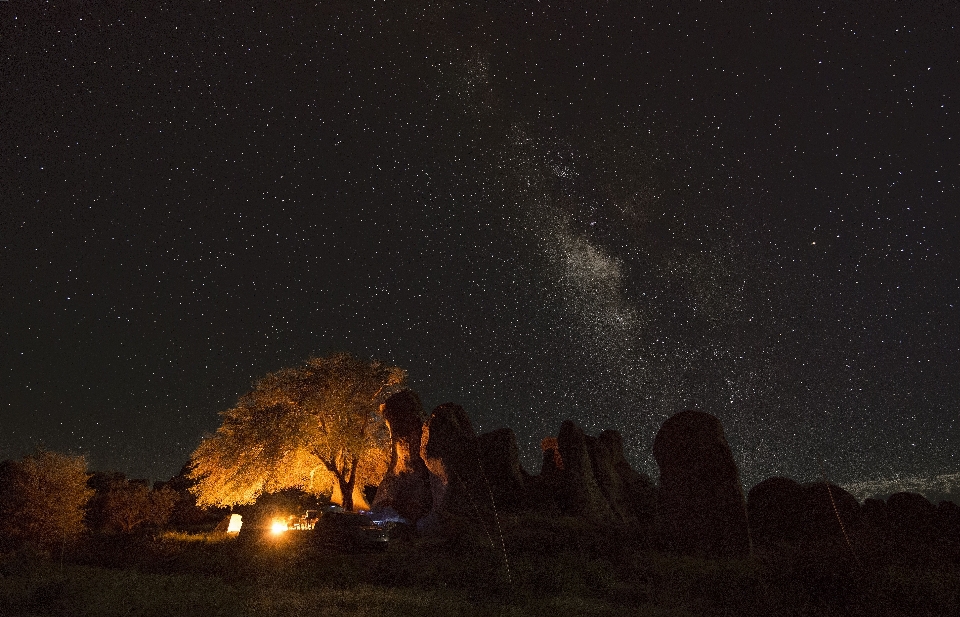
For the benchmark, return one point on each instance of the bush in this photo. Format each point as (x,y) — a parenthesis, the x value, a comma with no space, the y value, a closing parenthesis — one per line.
(124,506)
(42,499)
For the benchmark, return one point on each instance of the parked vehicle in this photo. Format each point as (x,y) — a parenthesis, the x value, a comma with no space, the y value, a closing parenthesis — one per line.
(349,532)
(307,520)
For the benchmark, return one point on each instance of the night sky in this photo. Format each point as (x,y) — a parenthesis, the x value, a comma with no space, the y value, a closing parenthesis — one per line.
(540,212)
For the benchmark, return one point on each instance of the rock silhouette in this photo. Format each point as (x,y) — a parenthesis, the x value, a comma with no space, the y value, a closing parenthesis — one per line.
(828,513)
(441,471)
(451,452)
(406,486)
(701,508)
(468,475)
(579,492)
(589,476)
(500,457)
(634,488)
(774,509)
(628,493)
(782,510)
(911,518)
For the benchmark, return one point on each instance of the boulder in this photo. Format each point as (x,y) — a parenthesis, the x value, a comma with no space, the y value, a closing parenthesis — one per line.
(911,517)
(501,465)
(829,513)
(773,511)
(811,514)
(701,508)
(579,493)
(638,491)
(451,452)
(405,488)
(542,489)
(947,523)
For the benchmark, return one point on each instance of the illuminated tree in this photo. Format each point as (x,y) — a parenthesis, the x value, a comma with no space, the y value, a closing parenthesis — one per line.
(317,426)
(42,498)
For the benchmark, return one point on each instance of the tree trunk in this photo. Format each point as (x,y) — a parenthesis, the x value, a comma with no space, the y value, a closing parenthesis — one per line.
(346,491)
(346,486)
(345,480)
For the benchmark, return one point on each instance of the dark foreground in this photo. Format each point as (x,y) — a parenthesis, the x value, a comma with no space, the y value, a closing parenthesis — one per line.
(555,568)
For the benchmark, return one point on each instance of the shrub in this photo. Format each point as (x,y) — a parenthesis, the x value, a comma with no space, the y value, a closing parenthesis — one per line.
(42,498)
(123,506)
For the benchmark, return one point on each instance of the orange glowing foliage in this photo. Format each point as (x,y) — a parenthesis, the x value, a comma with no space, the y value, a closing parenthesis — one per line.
(317,427)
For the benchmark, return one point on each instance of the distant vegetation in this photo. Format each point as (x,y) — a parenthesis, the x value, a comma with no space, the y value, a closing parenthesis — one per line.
(585,536)
(43,499)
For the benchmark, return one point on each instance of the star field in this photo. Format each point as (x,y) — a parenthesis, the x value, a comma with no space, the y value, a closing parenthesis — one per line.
(541,212)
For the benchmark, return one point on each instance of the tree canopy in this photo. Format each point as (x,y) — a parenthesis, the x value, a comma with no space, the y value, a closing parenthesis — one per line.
(317,426)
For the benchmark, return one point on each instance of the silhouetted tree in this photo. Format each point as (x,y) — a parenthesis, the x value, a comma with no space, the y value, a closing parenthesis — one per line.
(186,514)
(122,506)
(317,426)
(42,498)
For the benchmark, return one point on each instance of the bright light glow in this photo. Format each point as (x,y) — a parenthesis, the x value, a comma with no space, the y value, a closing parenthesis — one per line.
(278,526)
(234,525)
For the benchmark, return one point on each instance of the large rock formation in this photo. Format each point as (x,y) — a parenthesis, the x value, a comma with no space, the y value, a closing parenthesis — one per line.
(579,492)
(629,494)
(701,508)
(506,479)
(406,486)
(590,476)
(451,452)
(828,512)
(908,526)
(811,514)
(442,466)
(637,490)
(911,518)
(774,511)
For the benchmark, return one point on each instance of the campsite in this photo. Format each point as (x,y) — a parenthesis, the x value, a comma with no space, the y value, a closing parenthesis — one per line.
(587,535)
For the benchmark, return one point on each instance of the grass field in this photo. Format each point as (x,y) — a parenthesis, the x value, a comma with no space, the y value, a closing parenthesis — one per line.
(558,569)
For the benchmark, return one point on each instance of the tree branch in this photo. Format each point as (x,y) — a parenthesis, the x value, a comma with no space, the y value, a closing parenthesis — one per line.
(330,465)
(353,468)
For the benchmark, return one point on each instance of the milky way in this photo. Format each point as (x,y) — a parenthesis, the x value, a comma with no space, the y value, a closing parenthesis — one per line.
(607,215)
